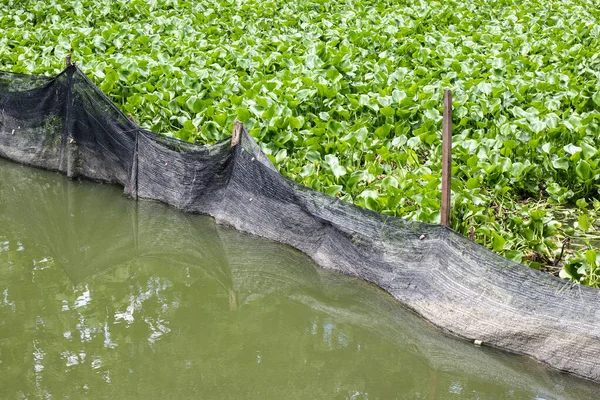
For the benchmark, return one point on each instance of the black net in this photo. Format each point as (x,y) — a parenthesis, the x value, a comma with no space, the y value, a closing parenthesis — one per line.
(101,140)
(32,119)
(67,124)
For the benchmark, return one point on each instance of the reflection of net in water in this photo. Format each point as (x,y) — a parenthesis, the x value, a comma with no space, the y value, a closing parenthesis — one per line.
(67,124)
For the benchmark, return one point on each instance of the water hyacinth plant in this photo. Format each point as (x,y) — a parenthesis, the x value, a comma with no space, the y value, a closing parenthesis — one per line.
(345,96)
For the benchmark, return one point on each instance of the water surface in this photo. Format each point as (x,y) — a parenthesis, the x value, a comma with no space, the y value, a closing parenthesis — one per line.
(102,297)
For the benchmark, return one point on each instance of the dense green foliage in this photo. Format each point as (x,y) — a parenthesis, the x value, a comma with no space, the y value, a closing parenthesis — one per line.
(346,96)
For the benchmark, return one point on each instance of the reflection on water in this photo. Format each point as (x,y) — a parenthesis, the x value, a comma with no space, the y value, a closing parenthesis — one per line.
(104,297)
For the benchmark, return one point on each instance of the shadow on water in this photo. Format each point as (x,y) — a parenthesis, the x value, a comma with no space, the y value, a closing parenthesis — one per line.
(159,302)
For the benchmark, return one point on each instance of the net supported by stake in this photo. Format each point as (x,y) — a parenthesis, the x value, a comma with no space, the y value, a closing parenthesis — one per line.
(66,123)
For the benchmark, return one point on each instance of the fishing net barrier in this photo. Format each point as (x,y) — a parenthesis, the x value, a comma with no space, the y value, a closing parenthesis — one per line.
(65,123)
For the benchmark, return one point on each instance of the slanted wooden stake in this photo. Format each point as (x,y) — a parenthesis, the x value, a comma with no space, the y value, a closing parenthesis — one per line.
(237,133)
(68,60)
(446,157)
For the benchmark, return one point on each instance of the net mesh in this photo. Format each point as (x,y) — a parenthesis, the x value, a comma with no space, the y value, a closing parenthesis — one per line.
(67,124)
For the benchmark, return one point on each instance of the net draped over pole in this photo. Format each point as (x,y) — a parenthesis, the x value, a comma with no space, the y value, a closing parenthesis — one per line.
(65,123)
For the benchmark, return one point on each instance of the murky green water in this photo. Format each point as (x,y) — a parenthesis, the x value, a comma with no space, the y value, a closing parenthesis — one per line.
(103,297)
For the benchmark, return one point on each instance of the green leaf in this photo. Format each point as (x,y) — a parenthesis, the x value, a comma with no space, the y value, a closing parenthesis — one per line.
(596,98)
(514,255)
(338,170)
(371,194)
(497,242)
(307,170)
(485,87)
(334,190)
(399,141)
(588,150)
(537,215)
(295,123)
(582,203)
(582,222)
(572,149)
(517,169)
(470,145)
(135,100)
(389,182)
(304,94)
(361,134)
(243,113)
(569,271)
(413,142)
(560,163)
(535,265)
(398,95)
(281,156)
(583,170)
(194,104)
(473,161)
(546,147)
(433,114)
(473,183)
(387,111)
(591,257)
(333,163)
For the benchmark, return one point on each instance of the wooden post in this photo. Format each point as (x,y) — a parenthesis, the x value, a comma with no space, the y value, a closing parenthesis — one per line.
(237,132)
(68,60)
(446,157)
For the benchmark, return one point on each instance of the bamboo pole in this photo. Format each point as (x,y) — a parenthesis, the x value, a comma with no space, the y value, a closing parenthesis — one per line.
(237,132)
(446,158)
(68,60)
